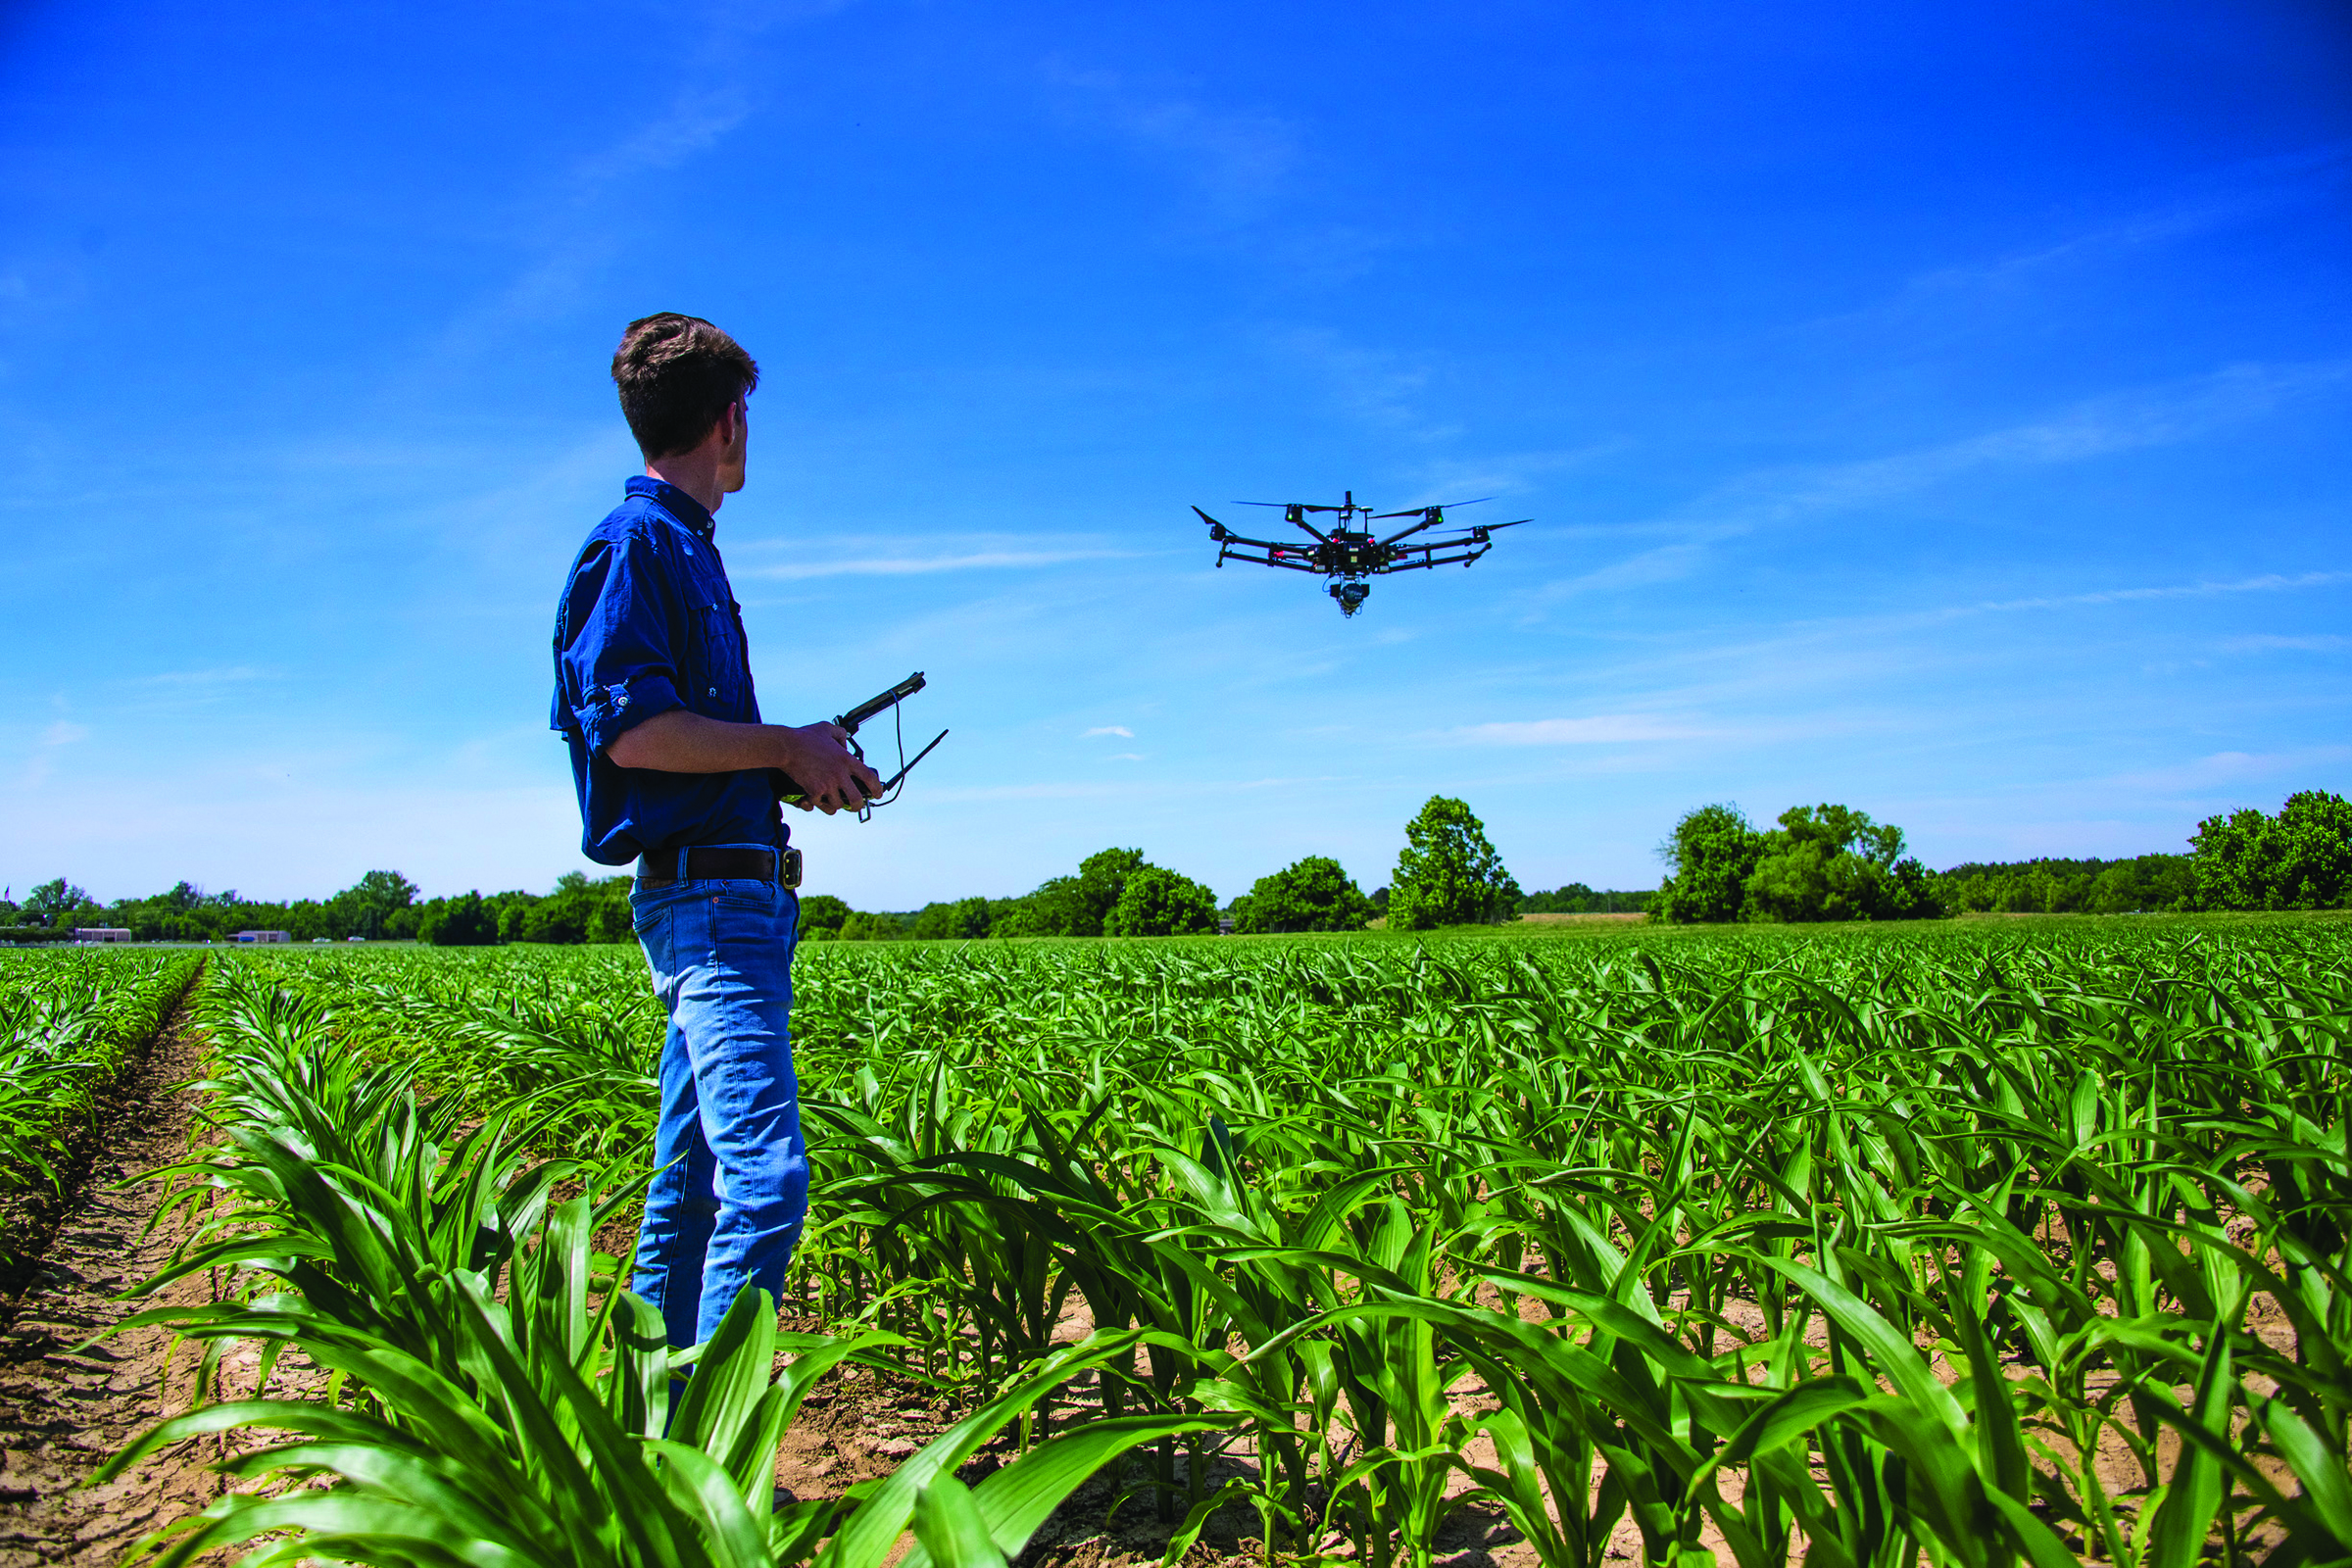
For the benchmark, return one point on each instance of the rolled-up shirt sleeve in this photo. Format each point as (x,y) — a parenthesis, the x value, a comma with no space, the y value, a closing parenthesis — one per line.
(616,667)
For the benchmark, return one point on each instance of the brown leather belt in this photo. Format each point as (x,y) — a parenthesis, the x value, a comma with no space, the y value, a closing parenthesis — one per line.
(661,870)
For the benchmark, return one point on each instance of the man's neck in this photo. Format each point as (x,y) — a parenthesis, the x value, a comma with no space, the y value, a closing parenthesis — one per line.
(696,472)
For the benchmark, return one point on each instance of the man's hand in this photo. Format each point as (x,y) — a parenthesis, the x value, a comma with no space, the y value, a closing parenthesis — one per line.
(818,756)
(815,754)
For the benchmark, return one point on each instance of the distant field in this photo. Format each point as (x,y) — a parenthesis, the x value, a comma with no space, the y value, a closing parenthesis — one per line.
(1563,919)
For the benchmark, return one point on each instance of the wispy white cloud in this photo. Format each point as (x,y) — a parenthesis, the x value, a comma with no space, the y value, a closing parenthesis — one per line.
(2322,643)
(2123,421)
(568,223)
(1663,563)
(1497,473)
(2269,582)
(1602,729)
(65,732)
(911,566)
(1379,387)
(2251,191)
(228,675)
(1124,757)
(2219,770)
(1119,730)
(1239,159)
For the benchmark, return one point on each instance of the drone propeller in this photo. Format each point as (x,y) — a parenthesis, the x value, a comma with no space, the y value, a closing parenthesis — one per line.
(1216,530)
(1475,534)
(1420,512)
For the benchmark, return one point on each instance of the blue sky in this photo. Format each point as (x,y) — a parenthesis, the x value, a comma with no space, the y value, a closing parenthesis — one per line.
(1938,409)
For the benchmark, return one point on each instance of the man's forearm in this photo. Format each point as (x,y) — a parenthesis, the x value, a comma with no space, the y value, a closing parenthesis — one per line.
(683,742)
(680,741)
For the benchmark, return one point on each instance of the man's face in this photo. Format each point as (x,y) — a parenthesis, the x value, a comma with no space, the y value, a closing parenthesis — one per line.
(734,443)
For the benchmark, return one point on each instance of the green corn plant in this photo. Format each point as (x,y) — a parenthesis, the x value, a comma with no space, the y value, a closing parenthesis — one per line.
(333,1181)
(2066,1153)
(66,1022)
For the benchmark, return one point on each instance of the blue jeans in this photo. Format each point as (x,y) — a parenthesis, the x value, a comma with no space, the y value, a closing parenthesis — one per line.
(730,1189)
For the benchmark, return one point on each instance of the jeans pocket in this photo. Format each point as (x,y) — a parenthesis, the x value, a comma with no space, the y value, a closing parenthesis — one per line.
(650,911)
(756,898)
(751,925)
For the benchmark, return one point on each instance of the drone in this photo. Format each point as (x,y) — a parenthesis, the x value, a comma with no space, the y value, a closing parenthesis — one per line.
(1348,552)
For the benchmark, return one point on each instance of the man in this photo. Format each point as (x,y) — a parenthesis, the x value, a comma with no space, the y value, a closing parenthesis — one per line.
(676,773)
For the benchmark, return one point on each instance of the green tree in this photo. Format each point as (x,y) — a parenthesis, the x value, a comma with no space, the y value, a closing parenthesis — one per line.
(1101,883)
(1073,905)
(963,919)
(1578,899)
(562,917)
(2299,859)
(1314,894)
(1832,862)
(1155,901)
(821,912)
(463,921)
(1709,858)
(1449,874)
(367,906)
(56,903)
(2144,883)
(863,927)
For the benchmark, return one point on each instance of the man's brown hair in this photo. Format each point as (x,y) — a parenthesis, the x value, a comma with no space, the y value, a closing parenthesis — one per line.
(677,374)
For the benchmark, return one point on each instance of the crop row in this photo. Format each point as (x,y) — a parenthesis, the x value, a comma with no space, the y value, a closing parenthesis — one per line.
(66,1020)
(1854,1249)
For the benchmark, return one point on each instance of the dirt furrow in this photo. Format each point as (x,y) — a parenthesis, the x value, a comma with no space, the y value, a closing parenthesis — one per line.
(64,1410)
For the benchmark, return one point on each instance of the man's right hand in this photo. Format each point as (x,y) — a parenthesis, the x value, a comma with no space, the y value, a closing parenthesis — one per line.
(818,758)
(817,755)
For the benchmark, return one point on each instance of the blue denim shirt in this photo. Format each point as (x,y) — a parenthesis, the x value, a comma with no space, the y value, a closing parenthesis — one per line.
(646,624)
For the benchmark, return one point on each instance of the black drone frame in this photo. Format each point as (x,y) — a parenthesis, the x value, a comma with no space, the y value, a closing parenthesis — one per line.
(1348,555)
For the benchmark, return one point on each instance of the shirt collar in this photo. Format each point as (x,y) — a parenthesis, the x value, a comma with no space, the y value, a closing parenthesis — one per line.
(676,502)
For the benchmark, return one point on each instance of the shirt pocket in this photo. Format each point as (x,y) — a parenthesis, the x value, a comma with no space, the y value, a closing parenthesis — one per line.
(719,656)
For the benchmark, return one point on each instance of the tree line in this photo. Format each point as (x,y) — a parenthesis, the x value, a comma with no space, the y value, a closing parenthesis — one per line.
(1447,875)
(1817,863)
(380,906)
(1832,862)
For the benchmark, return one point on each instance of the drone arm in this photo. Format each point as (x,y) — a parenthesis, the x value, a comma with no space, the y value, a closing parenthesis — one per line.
(1275,554)
(1430,556)
(1425,522)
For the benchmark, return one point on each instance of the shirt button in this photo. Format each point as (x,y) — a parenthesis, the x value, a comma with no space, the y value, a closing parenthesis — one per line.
(714,691)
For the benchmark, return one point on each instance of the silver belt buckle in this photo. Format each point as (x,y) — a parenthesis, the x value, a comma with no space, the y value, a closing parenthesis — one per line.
(789,871)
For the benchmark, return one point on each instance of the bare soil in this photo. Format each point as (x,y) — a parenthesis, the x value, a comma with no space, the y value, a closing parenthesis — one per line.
(64,1410)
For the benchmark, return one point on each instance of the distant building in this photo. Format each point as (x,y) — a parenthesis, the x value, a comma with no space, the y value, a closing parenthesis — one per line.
(100,933)
(264,936)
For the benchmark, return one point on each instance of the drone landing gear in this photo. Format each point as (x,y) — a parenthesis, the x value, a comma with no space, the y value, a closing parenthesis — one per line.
(1350,596)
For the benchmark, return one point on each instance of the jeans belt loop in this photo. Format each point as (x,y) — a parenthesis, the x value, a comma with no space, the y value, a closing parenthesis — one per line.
(682,866)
